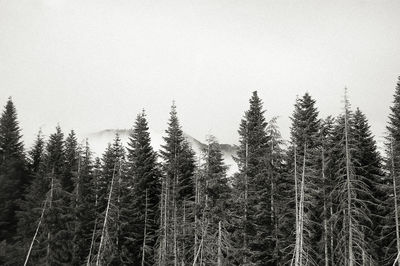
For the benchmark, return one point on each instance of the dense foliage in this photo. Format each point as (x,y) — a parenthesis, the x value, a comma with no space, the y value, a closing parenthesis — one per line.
(326,197)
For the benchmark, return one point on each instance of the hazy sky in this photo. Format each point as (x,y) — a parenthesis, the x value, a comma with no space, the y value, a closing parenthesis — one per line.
(94,64)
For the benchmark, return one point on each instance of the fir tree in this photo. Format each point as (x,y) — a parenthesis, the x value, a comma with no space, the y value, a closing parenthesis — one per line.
(58,216)
(391,227)
(84,196)
(254,187)
(212,202)
(72,162)
(368,166)
(304,136)
(350,194)
(178,194)
(13,173)
(110,184)
(32,205)
(140,204)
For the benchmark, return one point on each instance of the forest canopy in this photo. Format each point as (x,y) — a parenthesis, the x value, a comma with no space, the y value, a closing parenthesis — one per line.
(325,196)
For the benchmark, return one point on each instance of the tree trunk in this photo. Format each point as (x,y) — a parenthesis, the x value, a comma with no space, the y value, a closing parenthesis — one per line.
(144,231)
(350,244)
(219,260)
(396,213)
(36,232)
(105,218)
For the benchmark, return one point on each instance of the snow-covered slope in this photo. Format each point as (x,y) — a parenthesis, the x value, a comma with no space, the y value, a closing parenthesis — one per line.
(98,142)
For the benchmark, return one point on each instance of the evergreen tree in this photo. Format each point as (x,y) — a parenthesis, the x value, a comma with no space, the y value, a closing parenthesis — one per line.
(140,202)
(13,173)
(32,205)
(368,166)
(110,184)
(254,187)
(391,228)
(350,194)
(213,242)
(72,162)
(276,173)
(305,140)
(178,195)
(58,216)
(85,206)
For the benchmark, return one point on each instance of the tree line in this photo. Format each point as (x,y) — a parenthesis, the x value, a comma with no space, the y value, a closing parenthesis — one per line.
(326,196)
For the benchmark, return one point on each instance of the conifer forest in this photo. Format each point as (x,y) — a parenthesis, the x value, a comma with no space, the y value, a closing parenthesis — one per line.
(326,196)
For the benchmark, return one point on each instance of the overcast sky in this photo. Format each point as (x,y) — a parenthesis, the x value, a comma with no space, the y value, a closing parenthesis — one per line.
(94,64)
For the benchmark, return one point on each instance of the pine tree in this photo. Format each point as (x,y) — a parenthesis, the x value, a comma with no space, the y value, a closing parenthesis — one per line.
(72,162)
(84,202)
(32,205)
(305,141)
(368,166)
(141,202)
(276,172)
(13,173)
(325,198)
(58,216)
(178,195)
(110,183)
(254,187)
(350,194)
(212,204)
(391,227)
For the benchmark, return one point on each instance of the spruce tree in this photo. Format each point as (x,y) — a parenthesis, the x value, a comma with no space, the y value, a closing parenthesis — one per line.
(72,162)
(304,137)
(276,173)
(110,184)
(58,216)
(13,174)
(32,205)
(84,202)
(254,187)
(368,166)
(213,241)
(350,195)
(141,202)
(178,195)
(391,227)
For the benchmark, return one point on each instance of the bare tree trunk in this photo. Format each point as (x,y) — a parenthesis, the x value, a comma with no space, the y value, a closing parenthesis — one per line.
(92,243)
(350,244)
(325,211)
(166,218)
(105,218)
(301,218)
(184,234)
(196,202)
(219,260)
(50,205)
(297,244)
(160,248)
(331,234)
(145,232)
(246,191)
(396,213)
(94,232)
(36,232)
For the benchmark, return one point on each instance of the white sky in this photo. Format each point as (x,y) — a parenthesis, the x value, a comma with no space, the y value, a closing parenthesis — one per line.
(94,64)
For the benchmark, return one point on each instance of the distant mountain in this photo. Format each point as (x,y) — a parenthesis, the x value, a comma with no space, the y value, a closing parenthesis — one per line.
(98,142)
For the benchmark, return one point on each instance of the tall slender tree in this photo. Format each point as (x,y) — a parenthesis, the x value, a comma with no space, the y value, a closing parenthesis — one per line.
(305,141)
(254,187)
(391,227)
(178,194)
(141,202)
(13,173)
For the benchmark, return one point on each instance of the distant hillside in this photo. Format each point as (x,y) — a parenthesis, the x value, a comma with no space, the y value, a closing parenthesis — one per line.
(99,140)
